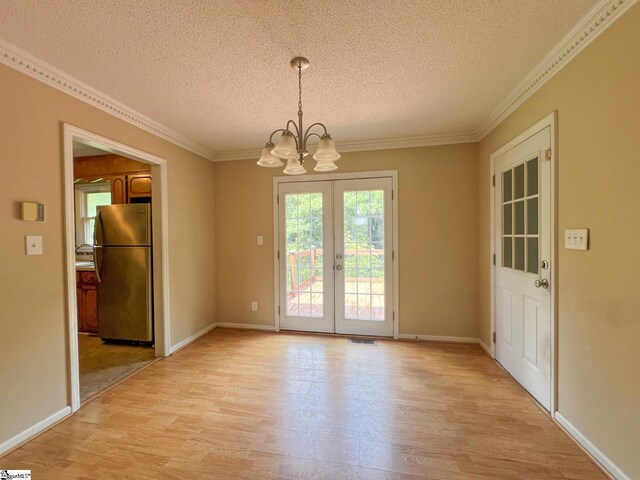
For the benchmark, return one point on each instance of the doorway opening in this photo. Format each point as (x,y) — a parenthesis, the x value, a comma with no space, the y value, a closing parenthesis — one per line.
(116,261)
(114,288)
(336,254)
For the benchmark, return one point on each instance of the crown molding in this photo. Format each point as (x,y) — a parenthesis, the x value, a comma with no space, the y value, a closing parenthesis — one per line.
(407,142)
(22,61)
(599,18)
(365,145)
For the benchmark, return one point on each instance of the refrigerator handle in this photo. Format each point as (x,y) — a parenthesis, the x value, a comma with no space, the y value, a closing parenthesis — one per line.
(95,262)
(97,235)
(97,229)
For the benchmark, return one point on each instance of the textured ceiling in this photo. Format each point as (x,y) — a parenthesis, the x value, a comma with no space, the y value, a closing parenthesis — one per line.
(218,71)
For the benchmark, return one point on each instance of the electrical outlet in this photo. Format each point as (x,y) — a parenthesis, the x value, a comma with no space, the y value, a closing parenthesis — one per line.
(576,238)
(260,240)
(254,306)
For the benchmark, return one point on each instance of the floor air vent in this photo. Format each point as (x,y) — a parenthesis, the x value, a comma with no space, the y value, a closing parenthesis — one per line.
(363,341)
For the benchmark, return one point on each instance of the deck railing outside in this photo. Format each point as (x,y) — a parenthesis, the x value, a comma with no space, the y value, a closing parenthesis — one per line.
(303,271)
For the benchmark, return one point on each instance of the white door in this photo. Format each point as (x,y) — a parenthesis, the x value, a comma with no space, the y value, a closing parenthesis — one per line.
(523,255)
(362,212)
(335,256)
(306,256)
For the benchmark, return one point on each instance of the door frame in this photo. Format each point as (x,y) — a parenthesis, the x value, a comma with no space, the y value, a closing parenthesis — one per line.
(393,174)
(548,121)
(160,224)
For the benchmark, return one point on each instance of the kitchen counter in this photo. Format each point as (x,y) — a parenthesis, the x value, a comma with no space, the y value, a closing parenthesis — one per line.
(85,267)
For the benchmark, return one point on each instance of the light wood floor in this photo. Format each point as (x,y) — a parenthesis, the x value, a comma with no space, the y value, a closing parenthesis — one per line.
(252,405)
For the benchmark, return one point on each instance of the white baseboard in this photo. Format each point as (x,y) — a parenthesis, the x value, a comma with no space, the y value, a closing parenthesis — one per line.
(438,338)
(595,452)
(191,339)
(247,326)
(485,347)
(34,430)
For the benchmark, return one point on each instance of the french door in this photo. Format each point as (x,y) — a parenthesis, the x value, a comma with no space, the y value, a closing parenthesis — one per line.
(335,256)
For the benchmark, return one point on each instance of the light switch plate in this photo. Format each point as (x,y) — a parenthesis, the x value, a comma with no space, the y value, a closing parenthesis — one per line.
(576,238)
(33,244)
(260,240)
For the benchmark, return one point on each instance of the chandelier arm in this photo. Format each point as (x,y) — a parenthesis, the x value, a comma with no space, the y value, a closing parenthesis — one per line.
(274,132)
(309,135)
(306,133)
(297,134)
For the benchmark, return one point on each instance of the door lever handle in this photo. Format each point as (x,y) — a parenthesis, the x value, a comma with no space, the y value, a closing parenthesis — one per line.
(544,283)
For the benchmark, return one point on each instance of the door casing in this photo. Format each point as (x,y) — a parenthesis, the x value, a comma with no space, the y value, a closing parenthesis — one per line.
(393,174)
(160,222)
(548,121)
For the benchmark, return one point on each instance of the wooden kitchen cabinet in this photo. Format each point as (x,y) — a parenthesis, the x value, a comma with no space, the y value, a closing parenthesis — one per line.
(139,186)
(130,180)
(118,189)
(130,188)
(87,292)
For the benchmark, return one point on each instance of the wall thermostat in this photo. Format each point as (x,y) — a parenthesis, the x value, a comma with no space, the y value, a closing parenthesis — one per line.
(32,212)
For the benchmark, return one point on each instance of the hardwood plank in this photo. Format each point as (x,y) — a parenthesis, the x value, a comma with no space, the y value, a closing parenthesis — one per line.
(257,405)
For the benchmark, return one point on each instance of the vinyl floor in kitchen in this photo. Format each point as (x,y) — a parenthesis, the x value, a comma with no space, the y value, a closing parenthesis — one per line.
(102,364)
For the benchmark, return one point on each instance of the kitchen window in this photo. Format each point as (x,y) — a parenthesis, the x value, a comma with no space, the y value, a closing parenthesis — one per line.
(88,197)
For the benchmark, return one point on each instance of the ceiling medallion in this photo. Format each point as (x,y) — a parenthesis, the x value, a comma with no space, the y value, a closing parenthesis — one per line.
(292,143)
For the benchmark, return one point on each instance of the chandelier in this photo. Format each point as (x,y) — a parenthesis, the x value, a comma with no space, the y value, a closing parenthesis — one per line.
(292,143)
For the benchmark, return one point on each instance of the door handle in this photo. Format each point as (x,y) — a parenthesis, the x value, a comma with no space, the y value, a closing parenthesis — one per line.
(544,283)
(338,267)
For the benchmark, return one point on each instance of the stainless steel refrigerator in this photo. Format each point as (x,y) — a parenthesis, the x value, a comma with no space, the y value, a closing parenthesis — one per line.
(122,255)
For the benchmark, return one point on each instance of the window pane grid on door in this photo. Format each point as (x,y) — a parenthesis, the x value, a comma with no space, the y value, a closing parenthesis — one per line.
(364,255)
(520,231)
(304,254)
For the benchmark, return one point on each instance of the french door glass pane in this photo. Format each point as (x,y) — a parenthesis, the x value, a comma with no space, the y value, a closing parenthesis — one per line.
(364,255)
(304,257)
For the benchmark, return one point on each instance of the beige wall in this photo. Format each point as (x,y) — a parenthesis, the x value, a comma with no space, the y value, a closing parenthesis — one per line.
(597,97)
(438,225)
(33,318)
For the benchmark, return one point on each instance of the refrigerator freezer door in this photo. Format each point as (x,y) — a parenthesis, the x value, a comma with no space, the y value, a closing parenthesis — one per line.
(125,224)
(124,293)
